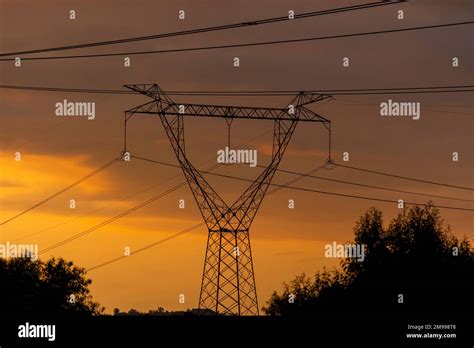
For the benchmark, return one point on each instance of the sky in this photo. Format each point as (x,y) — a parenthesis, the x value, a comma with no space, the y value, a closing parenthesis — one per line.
(56,151)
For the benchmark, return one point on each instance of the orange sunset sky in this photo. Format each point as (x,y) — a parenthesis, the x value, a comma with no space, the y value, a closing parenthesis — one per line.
(285,242)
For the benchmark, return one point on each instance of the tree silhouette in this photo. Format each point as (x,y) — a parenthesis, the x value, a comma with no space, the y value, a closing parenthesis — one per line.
(54,286)
(416,264)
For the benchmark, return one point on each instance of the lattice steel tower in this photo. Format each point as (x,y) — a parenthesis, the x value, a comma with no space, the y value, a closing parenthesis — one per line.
(228,280)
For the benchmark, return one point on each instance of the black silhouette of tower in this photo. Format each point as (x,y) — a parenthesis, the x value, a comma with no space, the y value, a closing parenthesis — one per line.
(228,280)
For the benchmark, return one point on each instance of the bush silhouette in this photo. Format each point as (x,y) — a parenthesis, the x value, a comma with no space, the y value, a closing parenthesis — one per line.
(54,286)
(416,256)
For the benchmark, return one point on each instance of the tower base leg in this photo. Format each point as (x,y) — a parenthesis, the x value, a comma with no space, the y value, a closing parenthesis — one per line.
(228,281)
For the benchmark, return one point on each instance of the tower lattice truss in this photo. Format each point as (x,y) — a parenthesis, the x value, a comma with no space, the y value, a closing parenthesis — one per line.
(228,280)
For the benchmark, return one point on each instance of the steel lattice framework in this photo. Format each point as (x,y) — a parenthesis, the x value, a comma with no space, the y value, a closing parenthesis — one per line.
(228,281)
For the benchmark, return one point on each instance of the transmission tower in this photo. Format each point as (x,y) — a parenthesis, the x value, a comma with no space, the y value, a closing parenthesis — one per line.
(228,280)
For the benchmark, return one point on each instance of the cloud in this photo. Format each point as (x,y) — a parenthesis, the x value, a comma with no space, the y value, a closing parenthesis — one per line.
(38,176)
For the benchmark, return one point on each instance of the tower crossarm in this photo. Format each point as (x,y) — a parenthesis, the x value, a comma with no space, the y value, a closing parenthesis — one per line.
(295,110)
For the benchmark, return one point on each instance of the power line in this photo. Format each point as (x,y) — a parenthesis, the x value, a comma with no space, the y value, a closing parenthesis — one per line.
(203,30)
(356,92)
(333,180)
(116,217)
(278,187)
(69,90)
(127,197)
(248,44)
(149,201)
(98,170)
(298,178)
(261,93)
(291,92)
(305,189)
(185,230)
(430,109)
(403,177)
(371,186)
(94,210)
(125,213)
(146,247)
